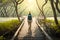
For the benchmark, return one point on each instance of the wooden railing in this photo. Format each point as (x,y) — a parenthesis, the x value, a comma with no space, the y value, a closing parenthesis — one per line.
(18,30)
(45,33)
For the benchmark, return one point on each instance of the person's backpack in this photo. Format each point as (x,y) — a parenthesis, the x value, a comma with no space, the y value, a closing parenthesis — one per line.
(30,17)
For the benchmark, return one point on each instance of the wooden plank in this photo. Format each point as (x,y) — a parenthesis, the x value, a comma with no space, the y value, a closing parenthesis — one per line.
(16,33)
(44,31)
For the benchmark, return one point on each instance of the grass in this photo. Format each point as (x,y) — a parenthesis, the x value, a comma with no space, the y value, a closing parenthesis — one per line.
(8,26)
(53,25)
(2,38)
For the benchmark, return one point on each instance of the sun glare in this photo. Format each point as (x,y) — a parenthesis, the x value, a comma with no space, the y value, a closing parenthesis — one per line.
(30,1)
(30,4)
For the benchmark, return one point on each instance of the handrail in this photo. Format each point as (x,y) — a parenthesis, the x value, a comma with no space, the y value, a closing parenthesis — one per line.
(19,29)
(49,38)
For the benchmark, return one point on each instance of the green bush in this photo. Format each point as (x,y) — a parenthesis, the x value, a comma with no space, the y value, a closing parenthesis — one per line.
(8,25)
(53,25)
(2,38)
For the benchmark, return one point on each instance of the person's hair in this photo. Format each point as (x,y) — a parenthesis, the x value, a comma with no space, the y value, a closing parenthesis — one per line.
(29,12)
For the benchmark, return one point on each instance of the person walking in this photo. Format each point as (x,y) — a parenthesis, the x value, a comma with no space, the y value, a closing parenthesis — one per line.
(29,18)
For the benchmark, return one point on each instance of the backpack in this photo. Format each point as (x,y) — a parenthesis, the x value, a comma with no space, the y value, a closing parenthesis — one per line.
(30,17)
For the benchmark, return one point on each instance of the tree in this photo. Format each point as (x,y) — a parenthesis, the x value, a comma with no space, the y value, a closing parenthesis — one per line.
(2,14)
(54,12)
(4,5)
(41,9)
(56,3)
(42,12)
(5,11)
(16,5)
(16,2)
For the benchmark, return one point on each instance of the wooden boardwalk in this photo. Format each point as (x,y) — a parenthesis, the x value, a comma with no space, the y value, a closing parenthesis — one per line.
(30,32)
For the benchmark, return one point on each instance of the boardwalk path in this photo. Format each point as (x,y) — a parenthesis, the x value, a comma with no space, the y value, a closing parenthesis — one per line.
(30,33)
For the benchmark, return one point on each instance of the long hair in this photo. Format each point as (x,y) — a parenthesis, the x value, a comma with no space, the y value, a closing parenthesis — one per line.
(29,13)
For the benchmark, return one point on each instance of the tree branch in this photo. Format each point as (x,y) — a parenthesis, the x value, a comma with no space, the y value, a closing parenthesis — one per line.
(57,1)
(20,2)
(41,10)
(54,12)
(38,5)
(44,4)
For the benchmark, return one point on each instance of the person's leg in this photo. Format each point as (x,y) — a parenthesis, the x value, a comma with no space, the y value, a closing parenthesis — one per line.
(29,29)
(29,22)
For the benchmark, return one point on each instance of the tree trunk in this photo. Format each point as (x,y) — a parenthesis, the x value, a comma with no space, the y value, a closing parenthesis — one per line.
(41,10)
(5,11)
(17,11)
(2,14)
(15,5)
(57,1)
(54,12)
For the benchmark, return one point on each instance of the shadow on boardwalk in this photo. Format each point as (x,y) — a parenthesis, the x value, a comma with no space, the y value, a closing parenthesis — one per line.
(29,35)
(30,31)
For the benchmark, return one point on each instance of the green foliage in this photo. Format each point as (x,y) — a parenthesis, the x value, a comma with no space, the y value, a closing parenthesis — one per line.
(2,38)
(8,25)
(4,1)
(49,21)
(52,25)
